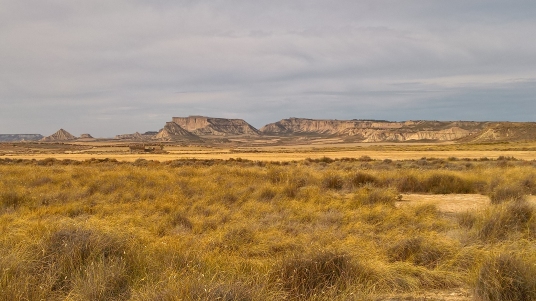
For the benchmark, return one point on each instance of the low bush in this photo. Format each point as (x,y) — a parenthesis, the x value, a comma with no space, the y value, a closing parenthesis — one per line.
(375,196)
(506,278)
(446,183)
(305,275)
(419,251)
(362,178)
(12,199)
(332,181)
(506,219)
(506,193)
(408,183)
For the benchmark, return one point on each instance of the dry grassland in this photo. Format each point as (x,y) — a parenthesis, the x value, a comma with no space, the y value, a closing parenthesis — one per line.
(427,229)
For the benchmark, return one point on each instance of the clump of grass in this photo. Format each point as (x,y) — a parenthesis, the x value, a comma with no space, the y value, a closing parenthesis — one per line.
(12,199)
(266,194)
(446,183)
(362,178)
(506,219)
(506,278)
(332,181)
(408,183)
(305,275)
(375,196)
(86,262)
(420,251)
(467,219)
(237,237)
(505,193)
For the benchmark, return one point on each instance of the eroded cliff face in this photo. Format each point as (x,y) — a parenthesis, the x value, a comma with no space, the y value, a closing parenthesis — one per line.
(376,131)
(505,131)
(61,135)
(207,126)
(173,132)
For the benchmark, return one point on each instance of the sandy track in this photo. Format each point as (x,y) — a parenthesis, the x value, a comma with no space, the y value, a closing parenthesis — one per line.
(451,203)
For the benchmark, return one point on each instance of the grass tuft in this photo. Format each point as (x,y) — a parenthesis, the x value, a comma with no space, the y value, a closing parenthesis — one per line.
(305,275)
(506,278)
(507,193)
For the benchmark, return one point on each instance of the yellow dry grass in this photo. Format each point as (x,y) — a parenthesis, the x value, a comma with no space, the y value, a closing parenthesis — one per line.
(244,230)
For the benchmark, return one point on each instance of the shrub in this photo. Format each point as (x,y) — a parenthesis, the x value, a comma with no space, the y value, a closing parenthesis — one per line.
(506,193)
(306,275)
(506,278)
(445,184)
(332,181)
(178,219)
(12,199)
(418,251)
(408,183)
(76,258)
(267,194)
(361,178)
(466,219)
(505,220)
(238,237)
(374,196)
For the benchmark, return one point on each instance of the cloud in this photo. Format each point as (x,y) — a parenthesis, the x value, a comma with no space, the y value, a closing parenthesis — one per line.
(124,66)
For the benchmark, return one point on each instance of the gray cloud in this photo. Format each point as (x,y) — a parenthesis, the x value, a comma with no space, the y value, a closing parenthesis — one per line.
(110,67)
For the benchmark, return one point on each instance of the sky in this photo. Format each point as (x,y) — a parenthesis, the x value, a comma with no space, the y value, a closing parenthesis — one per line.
(114,67)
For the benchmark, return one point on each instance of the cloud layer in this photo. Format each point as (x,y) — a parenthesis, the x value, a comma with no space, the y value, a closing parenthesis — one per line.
(111,67)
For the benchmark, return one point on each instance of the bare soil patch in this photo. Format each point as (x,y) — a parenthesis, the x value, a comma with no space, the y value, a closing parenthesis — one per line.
(451,203)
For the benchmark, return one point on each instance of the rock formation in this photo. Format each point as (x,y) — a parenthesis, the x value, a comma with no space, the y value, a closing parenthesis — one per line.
(173,132)
(136,136)
(20,137)
(505,131)
(207,126)
(375,130)
(61,135)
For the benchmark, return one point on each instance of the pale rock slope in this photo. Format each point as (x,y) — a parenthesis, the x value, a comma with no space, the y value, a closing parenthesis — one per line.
(174,132)
(61,135)
(208,126)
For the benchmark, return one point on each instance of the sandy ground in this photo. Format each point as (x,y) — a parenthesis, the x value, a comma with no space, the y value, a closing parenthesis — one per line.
(278,156)
(451,203)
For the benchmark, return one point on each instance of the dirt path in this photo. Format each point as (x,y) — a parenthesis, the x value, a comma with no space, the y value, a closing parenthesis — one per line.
(451,203)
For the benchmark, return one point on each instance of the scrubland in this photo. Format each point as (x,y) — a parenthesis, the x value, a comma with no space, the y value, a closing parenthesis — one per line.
(318,229)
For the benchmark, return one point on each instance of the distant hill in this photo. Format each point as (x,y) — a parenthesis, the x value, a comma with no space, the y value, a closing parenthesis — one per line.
(208,126)
(413,130)
(61,135)
(20,137)
(504,131)
(173,132)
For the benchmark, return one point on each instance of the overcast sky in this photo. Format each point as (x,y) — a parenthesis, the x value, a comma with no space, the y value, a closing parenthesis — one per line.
(112,67)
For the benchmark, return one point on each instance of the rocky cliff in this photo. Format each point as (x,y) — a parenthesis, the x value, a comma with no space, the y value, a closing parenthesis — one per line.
(376,130)
(207,126)
(173,132)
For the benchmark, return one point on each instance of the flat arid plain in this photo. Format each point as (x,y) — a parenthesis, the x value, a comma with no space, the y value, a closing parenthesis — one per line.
(238,221)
